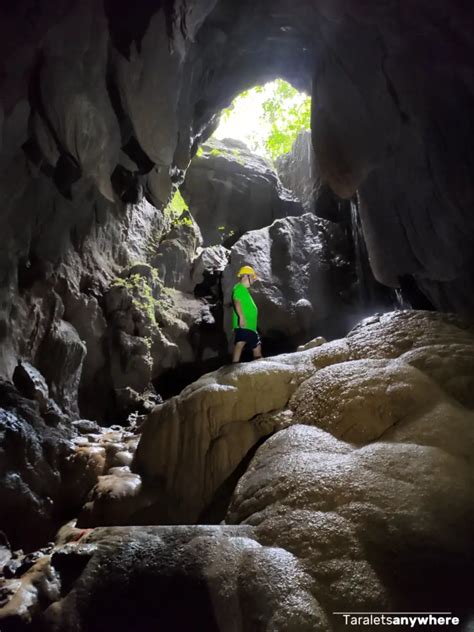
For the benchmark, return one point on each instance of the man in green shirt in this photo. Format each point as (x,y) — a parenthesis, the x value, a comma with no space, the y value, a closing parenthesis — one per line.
(244,315)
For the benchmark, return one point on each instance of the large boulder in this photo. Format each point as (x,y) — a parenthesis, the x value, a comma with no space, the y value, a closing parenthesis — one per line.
(61,357)
(212,578)
(384,506)
(357,388)
(305,282)
(231,190)
(208,430)
(208,267)
(176,252)
(383,527)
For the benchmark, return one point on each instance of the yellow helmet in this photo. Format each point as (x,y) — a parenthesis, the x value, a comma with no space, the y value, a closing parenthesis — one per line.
(247,270)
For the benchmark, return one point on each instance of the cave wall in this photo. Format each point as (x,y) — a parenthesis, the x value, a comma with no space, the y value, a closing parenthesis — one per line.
(392,117)
(103,104)
(78,155)
(297,170)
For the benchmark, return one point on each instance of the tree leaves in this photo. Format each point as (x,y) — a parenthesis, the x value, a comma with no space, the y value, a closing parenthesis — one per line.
(288,112)
(284,112)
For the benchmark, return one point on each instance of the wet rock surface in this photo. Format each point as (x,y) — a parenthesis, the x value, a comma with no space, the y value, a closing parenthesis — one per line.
(155,570)
(117,492)
(357,388)
(49,463)
(359,496)
(34,456)
(212,425)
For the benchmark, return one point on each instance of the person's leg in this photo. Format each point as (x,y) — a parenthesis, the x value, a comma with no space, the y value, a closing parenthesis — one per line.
(256,346)
(238,348)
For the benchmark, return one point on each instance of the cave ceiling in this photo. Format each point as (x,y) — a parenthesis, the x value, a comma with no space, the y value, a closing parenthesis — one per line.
(105,102)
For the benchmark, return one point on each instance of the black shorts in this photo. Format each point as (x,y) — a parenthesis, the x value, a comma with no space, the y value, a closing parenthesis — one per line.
(248,336)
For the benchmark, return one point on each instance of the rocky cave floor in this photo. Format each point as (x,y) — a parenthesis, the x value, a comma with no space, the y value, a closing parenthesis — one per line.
(268,495)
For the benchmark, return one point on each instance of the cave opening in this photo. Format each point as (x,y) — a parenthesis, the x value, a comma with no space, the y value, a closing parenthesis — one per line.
(258,128)
(267,128)
(267,118)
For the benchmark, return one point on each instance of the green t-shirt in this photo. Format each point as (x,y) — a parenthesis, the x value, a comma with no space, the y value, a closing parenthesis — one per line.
(249,309)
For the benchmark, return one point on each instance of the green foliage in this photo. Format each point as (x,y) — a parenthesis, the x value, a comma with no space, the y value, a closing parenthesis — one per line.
(237,156)
(284,113)
(225,233)
(200,152)
(287,117)
(153,242)
(245,94)
(144,300)
(142,294)
(183,220)
(176,206)
(177,211)
(215,151)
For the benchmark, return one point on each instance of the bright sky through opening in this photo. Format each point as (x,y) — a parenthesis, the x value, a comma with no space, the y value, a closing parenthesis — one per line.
(245,120)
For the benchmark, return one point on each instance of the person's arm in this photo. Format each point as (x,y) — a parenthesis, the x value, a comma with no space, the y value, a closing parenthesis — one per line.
(240,313)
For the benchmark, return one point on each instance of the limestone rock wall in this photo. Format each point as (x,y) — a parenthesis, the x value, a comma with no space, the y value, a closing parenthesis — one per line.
(298,170)
(392,141)
(73,165)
